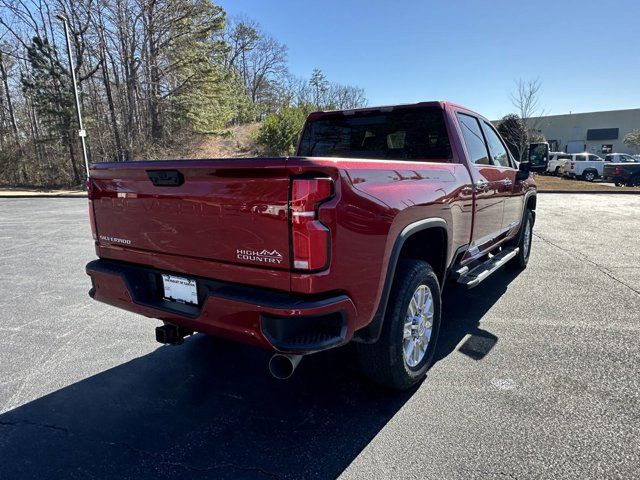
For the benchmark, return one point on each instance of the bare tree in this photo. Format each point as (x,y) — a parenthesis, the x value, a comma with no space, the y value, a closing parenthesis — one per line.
(5,85)
(526,101)
(258,58)
(346,96)
(150,72)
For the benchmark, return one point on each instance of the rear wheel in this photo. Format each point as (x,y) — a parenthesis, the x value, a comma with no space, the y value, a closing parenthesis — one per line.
(589,176)
(524,242)
(406,347)
(556,172)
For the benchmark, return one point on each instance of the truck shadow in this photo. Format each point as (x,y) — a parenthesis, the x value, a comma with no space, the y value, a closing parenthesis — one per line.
(462,311)
(209,409)
(205,409)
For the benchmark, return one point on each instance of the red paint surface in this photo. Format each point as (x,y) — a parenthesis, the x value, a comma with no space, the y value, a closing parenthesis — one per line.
(226,205)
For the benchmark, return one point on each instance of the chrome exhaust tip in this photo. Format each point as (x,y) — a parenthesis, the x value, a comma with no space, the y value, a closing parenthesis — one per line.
(282,366)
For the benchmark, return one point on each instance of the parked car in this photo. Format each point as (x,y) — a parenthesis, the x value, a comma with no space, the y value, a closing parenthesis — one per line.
(383,205)
(620,158)
(623,173)
(557,162)
(585,166)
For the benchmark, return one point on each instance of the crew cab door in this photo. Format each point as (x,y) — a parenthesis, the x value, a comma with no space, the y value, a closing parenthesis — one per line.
(511,190)
(488,186)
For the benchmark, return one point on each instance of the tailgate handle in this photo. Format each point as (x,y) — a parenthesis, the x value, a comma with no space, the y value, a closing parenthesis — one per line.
(165,178)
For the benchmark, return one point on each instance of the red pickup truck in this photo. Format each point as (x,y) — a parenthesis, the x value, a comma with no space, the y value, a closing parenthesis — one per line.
(353,239)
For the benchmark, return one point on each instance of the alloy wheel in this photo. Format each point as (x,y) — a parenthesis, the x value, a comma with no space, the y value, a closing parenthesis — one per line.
(418,326)
(526,244)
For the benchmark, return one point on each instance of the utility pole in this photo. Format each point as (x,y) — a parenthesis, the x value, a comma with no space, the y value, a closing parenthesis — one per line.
(82,133)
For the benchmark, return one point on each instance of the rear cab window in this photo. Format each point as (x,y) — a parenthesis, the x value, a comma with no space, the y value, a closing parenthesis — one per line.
(416,133)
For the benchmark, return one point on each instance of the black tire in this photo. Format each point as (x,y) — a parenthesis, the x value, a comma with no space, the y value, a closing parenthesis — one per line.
(557,171)
(589,175)
(384,362)
(618,184)
(521,260)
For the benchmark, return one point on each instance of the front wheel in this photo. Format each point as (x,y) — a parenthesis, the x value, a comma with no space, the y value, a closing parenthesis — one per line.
(406,347)
(524,242)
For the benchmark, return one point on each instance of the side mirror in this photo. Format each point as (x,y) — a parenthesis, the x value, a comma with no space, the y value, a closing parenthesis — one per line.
(538,156)
(523,171)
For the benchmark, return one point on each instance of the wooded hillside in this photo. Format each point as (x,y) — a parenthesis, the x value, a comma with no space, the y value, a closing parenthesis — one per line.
(155,76)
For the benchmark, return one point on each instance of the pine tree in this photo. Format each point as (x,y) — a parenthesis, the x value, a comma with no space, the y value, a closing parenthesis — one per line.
(48,85)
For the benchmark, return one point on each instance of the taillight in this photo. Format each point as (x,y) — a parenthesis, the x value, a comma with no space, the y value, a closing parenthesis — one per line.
(92,219)
(573,165)
(310,236)
(617,170)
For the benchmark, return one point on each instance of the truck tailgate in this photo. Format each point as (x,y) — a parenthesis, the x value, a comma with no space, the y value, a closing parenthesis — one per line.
(609,169)
(223,210)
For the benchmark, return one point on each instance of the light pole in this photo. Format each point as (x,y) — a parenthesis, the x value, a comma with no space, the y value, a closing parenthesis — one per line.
(82,133)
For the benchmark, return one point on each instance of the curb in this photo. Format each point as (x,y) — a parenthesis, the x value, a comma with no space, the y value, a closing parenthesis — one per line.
(44,195)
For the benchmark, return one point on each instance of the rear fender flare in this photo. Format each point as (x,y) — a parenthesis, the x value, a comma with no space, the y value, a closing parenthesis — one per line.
(371,332)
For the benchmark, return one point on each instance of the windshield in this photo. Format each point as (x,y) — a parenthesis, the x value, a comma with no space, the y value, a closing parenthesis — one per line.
(400,134)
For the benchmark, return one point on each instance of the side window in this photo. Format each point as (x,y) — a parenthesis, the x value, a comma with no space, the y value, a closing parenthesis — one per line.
(594,158)
(497,149)
(581,158)
(473,139)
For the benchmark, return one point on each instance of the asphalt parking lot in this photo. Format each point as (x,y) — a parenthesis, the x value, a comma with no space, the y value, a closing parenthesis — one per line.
(538,373)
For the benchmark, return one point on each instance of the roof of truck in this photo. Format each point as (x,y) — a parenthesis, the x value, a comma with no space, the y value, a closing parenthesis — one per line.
(434,103)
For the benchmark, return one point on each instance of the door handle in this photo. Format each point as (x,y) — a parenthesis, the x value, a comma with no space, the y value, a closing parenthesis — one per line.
(165,178)
(482,185)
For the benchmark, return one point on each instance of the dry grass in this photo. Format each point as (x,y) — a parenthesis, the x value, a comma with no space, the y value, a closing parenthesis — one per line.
(239,142)
(546,183)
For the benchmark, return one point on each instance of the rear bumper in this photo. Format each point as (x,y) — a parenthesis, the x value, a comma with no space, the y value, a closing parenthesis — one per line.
(269,319)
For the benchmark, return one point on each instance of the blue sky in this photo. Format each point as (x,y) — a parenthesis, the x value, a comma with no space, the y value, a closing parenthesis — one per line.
(586,54)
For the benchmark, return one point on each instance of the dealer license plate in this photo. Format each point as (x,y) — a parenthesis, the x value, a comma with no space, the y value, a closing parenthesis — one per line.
(179,289)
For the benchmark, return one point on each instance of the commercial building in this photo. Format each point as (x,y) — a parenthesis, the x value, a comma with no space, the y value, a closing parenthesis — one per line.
(595,132)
